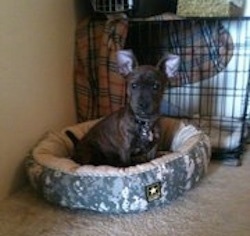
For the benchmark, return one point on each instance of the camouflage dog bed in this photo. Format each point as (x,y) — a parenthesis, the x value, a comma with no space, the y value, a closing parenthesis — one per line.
(119,190)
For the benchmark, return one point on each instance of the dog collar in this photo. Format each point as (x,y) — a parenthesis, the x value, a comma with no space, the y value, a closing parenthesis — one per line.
(144,129)
(141,122)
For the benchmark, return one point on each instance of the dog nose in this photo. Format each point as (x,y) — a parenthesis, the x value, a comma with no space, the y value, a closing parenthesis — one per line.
(143,105)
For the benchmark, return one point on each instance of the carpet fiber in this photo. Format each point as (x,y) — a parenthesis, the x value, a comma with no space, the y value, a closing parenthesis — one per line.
(218,206)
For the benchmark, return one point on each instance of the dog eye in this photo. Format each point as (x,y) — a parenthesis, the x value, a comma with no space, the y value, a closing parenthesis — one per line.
(156,86)
(134,85)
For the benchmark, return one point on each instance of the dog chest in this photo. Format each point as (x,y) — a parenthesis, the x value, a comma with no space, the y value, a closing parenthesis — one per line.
(144,138)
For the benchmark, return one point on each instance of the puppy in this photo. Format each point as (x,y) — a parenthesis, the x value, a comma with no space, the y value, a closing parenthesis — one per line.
(130,135)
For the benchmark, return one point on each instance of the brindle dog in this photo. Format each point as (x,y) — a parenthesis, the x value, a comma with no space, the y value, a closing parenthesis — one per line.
(130,135)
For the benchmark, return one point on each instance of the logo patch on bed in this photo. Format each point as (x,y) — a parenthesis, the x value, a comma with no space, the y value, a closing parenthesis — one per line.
(153,191)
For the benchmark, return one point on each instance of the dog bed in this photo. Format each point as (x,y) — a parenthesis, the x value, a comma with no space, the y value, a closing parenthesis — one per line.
(61,181)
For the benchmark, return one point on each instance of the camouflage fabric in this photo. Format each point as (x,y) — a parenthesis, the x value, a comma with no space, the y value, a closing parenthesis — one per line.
(118,190)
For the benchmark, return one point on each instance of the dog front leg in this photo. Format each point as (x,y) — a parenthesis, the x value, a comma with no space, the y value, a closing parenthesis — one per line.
(125,158)
(152,153)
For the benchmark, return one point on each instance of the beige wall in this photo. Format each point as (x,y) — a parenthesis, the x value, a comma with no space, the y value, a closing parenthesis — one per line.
(36,90)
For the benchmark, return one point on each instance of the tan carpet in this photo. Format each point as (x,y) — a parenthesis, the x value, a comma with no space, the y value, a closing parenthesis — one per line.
(219,206)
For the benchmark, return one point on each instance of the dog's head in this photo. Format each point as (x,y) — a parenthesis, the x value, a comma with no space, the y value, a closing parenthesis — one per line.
(146,83)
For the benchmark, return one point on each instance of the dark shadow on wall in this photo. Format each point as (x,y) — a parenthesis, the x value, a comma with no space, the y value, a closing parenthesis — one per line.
(82,9)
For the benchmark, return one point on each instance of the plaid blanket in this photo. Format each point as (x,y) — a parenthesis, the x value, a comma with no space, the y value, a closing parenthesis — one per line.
(99,88)
(205,49)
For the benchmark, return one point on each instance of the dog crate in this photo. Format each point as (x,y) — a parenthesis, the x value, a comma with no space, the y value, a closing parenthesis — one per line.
(210,89)
(212,86)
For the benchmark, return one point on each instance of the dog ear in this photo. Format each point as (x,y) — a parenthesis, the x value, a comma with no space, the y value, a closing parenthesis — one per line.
(169,64)
(126,61)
